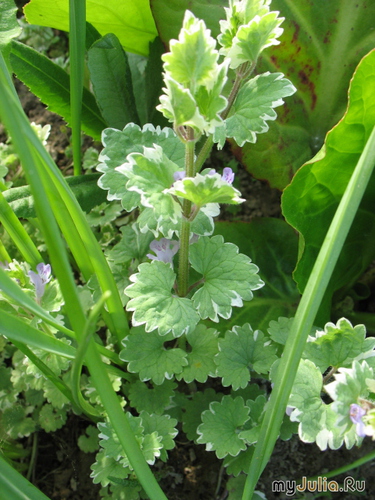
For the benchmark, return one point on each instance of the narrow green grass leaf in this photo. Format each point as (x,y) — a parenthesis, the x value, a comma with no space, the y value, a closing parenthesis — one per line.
(77,38)
(112,82)
(18,234)
(14,486)
(51,84)
(84,187)
(15,329)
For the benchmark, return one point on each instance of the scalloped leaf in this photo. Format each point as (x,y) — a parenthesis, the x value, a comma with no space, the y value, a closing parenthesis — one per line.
(151,399)
(229,277)
(150,174)
(192,58)
(240,351)
(252,38)
(253,107)
(118,144)
(204,346)
(146,355)
(155,305)
(312,198)
(338,345)
(221,424)
(191,417)
(317,421)
(204,189)
(273,246)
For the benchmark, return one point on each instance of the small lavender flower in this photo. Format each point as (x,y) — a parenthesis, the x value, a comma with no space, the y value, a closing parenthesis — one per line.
(41,279)
(164,250)
(356,414)
(179,175)
(228,175)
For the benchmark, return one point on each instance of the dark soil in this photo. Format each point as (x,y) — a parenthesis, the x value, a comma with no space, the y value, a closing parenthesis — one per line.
(62,471)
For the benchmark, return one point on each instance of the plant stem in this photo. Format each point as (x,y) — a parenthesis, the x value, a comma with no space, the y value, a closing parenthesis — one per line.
(183,264)
(244,71)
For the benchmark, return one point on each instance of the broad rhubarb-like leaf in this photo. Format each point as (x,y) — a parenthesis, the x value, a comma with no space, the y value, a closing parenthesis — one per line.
(221,425)
(146,355)
(155,305)
(253,107)
(240,351)
(229,277)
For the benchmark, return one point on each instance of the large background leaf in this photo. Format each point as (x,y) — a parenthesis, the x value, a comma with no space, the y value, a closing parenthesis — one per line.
(322,43)
(50,83)
(310,201)
(130,20)
(272,246)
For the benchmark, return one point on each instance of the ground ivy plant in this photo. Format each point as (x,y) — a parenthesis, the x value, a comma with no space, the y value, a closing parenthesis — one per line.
(178,281)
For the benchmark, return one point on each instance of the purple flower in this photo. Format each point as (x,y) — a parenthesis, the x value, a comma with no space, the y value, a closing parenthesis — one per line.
(41,279)
(228,175)
(179,175)
(356,414)
(164,250)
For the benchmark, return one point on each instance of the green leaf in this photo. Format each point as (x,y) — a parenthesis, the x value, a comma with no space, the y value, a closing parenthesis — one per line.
(240,351)
(14,486)
(84,187)
(349,387)
(50,83)
(273,246)
(194,408)
(251,38)
(118,144)
(88,442)
(311,200)
(151,399)
(192,58)
(16,423)
(279,330)
(317,421)
(146,355)
(155,305)
(319,57)
(150,173)
(254,106)
(169,15)
(204,189)
(9,27)
(131,21)
(105,467)
(229,277)
(51,419)
(338,345)
(164,425)
(112,82)
(221,424)
(133,245)
(204,346)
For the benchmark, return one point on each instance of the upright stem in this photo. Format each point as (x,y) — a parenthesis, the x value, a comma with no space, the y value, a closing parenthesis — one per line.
(244,71)
(183,265)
